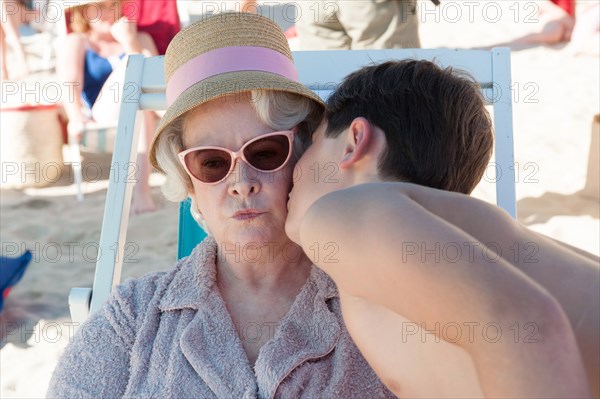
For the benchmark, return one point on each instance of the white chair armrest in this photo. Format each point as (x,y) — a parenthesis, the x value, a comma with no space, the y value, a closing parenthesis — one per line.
(79,305)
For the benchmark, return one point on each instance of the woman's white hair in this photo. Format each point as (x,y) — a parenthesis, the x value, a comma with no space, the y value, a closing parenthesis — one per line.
(278,110)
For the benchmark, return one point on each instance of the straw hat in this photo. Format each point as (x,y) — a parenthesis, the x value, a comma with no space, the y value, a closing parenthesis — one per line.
(226,54)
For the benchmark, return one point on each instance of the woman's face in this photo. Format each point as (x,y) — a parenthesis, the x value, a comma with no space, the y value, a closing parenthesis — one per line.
(248,207)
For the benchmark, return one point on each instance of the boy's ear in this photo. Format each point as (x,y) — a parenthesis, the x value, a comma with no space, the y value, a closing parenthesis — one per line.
(358,143)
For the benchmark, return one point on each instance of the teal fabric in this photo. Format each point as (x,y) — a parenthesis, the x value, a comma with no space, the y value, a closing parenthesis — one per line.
(190,234)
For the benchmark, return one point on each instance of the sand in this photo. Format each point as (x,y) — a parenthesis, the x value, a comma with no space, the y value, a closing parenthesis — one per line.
(558,97)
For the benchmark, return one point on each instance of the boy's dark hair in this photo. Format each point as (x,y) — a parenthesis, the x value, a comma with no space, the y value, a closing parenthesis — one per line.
(438,132)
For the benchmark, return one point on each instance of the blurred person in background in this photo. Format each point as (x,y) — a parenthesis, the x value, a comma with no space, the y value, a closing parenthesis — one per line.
(365,24)
(92,60)
(11,18)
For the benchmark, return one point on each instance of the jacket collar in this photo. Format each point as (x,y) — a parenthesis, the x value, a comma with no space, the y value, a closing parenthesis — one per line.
(196,277)
(310,330)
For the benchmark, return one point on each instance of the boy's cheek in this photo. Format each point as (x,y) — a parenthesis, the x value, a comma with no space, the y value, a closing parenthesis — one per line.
(292,223)
(297,174)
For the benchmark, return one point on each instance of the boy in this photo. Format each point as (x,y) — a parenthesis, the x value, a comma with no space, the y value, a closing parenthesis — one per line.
(414,264)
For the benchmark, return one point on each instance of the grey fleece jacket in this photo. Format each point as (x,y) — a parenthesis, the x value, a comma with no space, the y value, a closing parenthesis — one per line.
(169,335)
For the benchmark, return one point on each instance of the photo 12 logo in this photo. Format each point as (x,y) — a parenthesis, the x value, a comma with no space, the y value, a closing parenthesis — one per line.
(71,251)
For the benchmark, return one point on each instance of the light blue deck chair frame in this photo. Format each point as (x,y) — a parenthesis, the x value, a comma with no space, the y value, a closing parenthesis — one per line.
(144,89)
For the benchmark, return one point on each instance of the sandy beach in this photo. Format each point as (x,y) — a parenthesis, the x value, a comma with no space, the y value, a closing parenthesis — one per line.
(555,95)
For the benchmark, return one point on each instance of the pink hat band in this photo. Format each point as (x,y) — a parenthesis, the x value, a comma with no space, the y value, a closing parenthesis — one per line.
(228,59)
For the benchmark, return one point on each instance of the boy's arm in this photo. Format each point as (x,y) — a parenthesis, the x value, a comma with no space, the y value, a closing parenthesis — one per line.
(379,244)
(570,275)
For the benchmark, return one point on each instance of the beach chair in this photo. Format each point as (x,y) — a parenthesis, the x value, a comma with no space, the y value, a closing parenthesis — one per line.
(319,70)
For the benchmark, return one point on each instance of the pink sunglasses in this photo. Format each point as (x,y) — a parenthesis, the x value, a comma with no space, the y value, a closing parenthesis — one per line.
(266,153)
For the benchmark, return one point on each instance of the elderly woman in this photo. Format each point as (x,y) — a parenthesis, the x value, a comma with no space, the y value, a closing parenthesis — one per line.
(246,314)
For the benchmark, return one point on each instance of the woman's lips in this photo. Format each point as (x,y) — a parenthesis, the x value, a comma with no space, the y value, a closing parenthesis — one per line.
(247,214)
